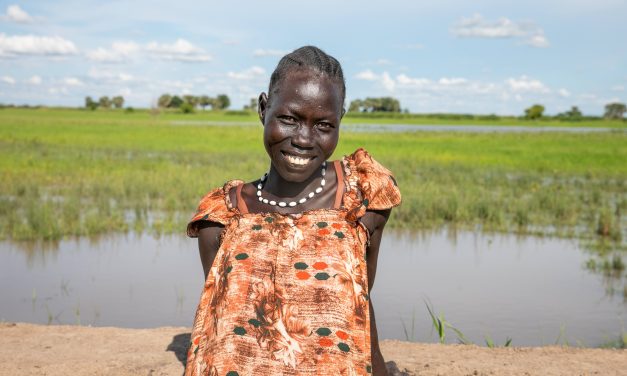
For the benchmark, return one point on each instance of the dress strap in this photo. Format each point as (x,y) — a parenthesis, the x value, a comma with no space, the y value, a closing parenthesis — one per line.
(339,192)
(241,204)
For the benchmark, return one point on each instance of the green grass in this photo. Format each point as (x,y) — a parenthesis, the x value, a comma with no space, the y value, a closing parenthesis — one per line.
(73,172)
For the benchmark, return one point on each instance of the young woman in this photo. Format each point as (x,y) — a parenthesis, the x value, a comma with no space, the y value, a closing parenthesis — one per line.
(290,259)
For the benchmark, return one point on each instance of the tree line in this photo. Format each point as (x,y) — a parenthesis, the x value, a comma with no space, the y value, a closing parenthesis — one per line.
(187,103)
(612,111)
(104,102)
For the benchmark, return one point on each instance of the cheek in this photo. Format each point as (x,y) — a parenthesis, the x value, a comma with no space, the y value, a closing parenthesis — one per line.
(273,135)
(328,144)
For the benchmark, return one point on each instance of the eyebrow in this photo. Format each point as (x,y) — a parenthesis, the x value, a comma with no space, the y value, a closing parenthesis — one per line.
(322,113)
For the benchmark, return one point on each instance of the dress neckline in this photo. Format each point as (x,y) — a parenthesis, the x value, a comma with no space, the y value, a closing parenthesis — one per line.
(338,204)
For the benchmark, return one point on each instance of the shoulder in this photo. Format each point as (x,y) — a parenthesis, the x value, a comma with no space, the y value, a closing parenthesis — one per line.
(375,183)
(214,206)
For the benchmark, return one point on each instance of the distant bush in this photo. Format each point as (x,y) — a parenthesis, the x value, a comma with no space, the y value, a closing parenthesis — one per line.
(129,110)
(237,113)
(186,108)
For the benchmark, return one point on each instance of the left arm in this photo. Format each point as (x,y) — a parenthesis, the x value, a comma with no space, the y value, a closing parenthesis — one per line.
(375,221)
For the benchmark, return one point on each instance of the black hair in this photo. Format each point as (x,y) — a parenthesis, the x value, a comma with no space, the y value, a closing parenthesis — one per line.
(308,57)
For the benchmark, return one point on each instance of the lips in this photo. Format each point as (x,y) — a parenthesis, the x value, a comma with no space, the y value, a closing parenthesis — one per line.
(297,159)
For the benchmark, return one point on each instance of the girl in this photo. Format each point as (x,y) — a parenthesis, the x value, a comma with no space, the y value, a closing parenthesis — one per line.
(290,259)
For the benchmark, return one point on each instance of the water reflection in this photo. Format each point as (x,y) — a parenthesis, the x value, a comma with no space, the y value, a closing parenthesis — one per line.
(535,290)
(403,128)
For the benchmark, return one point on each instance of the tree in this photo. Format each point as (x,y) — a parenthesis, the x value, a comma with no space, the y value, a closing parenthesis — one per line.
(615,110)
(175,102)
(222,102)
(118,101)
(574,114)
(187,108)
(382,104)
(104,102)
(191,99)
(252,105)
(204,101)
(164,100)
(534,112)
(356,105)
(90,103)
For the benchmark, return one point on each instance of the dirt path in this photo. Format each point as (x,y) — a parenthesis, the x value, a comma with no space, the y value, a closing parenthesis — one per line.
(27,349)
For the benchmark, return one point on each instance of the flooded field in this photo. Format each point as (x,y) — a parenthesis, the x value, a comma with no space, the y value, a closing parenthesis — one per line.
(405,128)
(537,291)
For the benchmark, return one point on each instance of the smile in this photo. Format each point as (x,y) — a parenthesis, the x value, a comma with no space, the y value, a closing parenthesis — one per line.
(296,160)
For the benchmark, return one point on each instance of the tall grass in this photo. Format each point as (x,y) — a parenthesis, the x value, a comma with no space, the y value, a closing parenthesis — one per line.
(84,173)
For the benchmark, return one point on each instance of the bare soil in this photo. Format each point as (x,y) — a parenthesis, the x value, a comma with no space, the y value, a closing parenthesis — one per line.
(28,349)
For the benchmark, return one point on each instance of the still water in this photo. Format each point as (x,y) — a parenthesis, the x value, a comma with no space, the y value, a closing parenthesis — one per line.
(534,290)
(403,128)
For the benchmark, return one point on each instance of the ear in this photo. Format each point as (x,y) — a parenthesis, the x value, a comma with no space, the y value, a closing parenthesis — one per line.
(262,107)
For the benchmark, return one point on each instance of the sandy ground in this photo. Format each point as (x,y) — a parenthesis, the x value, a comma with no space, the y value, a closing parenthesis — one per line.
(27,349)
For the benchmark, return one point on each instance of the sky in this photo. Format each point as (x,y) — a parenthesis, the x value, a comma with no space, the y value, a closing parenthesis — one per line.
(454,56)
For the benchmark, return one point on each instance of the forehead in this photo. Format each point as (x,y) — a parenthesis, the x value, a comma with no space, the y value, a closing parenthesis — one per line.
(307,84)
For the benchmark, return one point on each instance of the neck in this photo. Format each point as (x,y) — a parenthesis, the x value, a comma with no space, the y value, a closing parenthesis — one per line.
(280,187)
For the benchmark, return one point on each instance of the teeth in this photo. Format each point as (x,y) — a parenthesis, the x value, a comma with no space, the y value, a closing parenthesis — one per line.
(297,160)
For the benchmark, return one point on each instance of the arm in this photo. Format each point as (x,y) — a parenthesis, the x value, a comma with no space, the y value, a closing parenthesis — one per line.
(375,222)
(208,243)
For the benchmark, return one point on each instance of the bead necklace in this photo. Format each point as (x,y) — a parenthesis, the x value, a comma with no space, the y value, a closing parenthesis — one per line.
(292,203)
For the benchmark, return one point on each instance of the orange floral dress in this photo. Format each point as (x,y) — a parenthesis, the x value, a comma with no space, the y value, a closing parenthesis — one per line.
(287,294)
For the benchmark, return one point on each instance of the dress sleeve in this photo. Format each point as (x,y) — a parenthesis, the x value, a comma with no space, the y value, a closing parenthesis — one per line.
(213,208)
(377,185)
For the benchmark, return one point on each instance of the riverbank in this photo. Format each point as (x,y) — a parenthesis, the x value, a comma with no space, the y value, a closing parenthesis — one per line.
(28,349)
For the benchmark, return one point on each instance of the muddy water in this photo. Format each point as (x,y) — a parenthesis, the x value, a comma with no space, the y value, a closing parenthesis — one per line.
(536,291)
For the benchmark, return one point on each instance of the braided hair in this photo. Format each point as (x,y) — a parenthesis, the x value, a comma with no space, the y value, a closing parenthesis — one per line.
(308,57)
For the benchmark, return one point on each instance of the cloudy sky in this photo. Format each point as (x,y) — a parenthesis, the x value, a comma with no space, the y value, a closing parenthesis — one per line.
(485,56)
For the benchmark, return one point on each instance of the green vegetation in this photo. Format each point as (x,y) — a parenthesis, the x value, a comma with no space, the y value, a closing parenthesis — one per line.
(73,172)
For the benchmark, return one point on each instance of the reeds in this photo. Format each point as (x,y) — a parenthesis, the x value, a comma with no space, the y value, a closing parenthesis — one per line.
(74,173)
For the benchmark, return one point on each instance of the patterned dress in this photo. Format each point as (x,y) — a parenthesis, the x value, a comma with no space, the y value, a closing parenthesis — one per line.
(287,294)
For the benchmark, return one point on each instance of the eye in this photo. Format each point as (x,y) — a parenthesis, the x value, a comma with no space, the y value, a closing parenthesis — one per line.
(325,126)
(286,119)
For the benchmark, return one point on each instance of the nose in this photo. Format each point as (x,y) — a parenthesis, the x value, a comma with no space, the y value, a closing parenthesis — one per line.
(302,137)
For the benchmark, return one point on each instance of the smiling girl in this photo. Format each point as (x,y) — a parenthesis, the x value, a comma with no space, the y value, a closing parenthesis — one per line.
(290,258)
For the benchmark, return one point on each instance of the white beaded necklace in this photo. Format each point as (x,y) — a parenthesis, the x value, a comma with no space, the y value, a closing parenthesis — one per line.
(292,203)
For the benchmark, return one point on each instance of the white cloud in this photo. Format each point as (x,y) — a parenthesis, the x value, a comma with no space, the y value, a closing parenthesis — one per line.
(526,84)
(461,94)
(247,74)
(34,80)
(477,27)
(452,81)
(383,62)
(181,50)
(58,90)
(387,82)
(403,79)
(11,46)
(119,52)
(618,88)
(366,75)
(415,46)
(72,81)
(17,14)
(8,80)
(109,76)
(260,52)
(538,40)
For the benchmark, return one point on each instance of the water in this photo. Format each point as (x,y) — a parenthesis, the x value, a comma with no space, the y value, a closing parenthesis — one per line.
(403,128)
(534,290)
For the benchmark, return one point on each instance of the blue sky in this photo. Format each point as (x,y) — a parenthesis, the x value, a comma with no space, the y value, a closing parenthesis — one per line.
(438,56)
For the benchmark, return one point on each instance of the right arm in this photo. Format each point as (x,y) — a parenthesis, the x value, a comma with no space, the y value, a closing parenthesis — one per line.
(208,243)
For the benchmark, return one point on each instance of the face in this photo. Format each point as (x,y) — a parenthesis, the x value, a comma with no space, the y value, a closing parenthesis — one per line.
(301,123)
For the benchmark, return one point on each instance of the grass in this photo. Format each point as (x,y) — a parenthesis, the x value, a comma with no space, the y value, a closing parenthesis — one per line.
(71,172)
